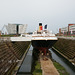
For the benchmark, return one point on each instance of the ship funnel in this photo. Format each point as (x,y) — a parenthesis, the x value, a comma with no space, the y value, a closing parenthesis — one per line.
(45,27)
(40,27)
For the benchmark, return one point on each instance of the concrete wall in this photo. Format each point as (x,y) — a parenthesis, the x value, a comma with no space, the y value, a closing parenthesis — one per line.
(66,47)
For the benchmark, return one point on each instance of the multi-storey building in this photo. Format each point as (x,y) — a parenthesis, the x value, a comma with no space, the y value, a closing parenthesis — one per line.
(69,30)
(16,28)
(64,30)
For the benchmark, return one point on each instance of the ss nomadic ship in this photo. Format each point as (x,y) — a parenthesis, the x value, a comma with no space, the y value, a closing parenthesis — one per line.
(42,39)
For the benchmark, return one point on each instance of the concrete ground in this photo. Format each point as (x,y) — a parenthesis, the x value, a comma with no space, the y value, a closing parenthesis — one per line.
(47,66)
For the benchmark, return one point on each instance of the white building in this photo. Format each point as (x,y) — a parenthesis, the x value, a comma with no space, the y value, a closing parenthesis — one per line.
(71,29)
(65,29)
(16,28)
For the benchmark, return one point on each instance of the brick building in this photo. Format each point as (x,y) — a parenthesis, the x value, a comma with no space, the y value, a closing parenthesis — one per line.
(69,30)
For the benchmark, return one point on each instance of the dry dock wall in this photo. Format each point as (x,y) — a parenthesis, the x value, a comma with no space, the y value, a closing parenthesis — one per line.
(66,48)
(10,54)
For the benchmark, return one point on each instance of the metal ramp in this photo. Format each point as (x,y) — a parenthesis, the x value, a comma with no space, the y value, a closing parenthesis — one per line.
(20,38)
(14,39)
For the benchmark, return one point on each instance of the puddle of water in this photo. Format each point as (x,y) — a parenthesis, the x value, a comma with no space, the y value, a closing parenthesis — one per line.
(63,62)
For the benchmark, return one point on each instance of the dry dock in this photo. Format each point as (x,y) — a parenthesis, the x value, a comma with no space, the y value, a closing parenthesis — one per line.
(47,66)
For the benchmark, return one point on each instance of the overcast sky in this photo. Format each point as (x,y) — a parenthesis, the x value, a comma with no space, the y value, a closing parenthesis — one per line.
(55,13)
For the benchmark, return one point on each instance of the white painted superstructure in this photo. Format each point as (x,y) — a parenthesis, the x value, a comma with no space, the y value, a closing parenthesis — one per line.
(35,36)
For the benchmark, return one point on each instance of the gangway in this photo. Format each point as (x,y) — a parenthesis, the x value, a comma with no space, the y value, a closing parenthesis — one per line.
(17,38)
(20,38)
